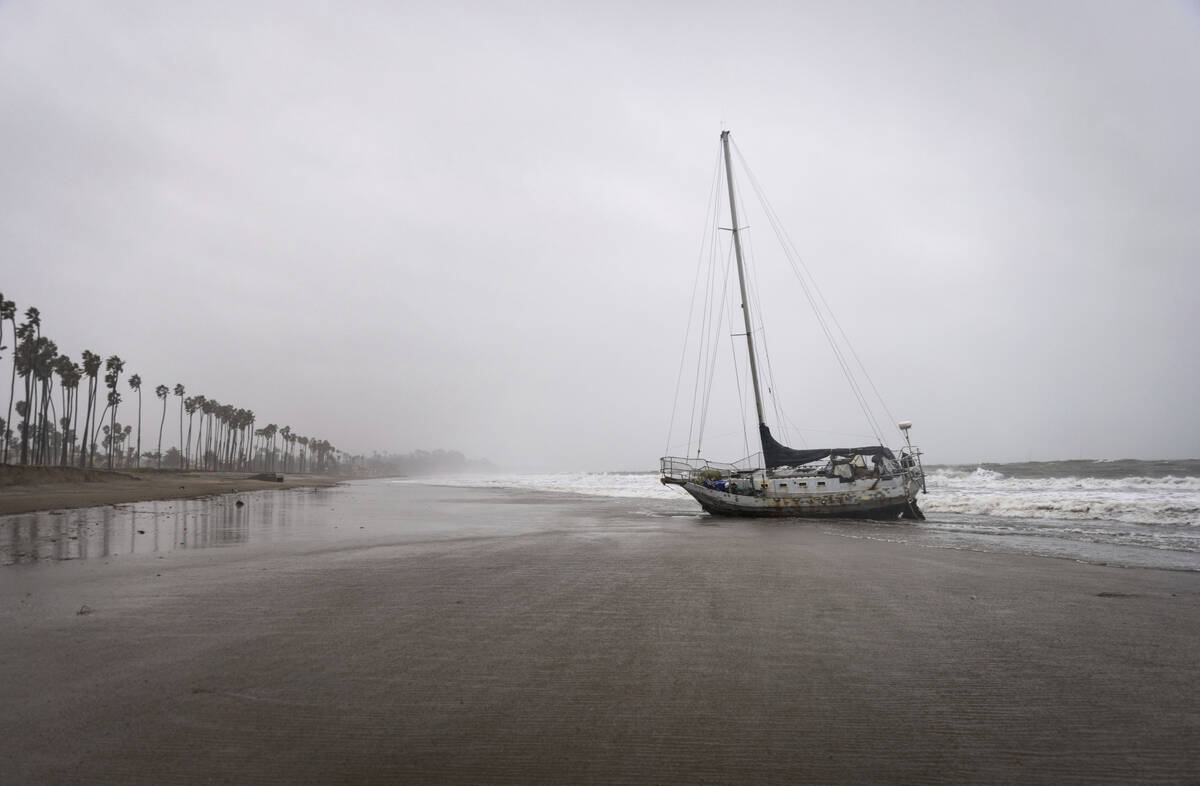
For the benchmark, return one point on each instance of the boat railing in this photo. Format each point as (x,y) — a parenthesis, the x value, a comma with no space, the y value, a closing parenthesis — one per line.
(910,462)
(681,468)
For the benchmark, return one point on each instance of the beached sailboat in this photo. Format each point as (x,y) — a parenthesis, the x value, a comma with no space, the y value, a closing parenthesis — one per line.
(861,482)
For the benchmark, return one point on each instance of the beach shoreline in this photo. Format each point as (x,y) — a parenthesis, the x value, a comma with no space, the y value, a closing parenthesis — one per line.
(476,635)
(33,489)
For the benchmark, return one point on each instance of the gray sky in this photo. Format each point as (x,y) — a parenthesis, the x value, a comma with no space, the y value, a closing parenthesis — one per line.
(475,225)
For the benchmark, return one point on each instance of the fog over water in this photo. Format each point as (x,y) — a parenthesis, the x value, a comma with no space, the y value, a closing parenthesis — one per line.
(475,226)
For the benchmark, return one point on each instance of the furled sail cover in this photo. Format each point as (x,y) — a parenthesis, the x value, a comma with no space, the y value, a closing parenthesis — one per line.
(779,455)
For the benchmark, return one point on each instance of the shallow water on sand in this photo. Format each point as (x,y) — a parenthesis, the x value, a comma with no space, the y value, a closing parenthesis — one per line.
(384,511)
(384,632)
(307,517)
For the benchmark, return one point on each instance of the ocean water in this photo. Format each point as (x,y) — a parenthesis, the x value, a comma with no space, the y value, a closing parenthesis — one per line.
(1127,512)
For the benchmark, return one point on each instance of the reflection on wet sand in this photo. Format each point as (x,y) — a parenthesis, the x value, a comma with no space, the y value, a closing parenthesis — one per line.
(483,636)
(149,527)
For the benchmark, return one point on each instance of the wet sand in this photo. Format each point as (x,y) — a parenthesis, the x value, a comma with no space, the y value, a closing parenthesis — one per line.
(26,489)
(479,636)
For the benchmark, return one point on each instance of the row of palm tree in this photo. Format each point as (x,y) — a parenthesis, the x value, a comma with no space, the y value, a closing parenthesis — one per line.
(223,437)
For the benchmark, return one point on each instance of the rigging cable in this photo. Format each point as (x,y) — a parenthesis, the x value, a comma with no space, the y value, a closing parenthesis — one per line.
(688,332)
(737,375)
(808,286)
(702,349)
(797,263)
(759,329)
(712,363)
(705,243)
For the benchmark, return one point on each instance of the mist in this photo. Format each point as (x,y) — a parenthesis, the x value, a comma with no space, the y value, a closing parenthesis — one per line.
(475,226)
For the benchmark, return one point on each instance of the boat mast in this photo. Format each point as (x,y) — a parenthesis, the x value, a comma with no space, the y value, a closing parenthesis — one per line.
(737,250)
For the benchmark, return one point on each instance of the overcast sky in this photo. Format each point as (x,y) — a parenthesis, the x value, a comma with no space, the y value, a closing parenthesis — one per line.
(475,226)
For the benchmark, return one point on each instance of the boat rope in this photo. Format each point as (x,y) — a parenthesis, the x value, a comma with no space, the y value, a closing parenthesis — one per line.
(759,329)
(714,345)
(741,390)
(702,257)
(761,332)
(809,286)
(801,270)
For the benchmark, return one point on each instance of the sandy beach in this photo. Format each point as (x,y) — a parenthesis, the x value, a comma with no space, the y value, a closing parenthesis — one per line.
(25,489)
(471,636)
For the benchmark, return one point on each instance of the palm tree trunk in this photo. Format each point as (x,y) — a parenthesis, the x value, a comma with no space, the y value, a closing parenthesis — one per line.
(87,420)
(25,424)
(60,455)
(187,444)
(47,424)
(12,387)
(99,425)
(69,429)
(182,463)
(199,435)
(74,420)
(137,461)
(112,436)
(90,446)
(160,429)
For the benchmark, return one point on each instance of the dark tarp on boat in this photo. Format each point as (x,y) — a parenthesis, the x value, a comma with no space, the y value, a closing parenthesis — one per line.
(776,454)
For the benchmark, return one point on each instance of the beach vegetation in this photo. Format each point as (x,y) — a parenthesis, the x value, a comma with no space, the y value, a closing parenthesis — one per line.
(91,368)
(161,391)
(135,383)
(113,366)
(8,310)
(48,429)
(179,393)
(69,375)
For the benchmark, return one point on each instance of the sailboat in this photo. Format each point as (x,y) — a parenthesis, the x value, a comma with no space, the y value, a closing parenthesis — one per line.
(870,481)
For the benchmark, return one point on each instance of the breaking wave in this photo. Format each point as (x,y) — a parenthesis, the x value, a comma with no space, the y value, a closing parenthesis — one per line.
(1090,510)
(1141,499)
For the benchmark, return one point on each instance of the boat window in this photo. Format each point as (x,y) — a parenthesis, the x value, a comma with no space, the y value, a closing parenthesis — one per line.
(820,483)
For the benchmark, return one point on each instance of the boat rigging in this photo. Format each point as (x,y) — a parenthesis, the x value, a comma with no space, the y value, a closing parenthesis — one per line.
(861,482)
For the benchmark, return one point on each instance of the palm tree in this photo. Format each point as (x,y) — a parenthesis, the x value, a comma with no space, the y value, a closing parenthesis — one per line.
(91,367)
(198,403)
(248,437)
(269,432)
(8,310)
(31,331)
(207,408)
(190,405)
(303,453)
(112,399)
(125,441)
(161,391)
(135,382)
(44,359)
(23,365)
(179,391)
(286,433)
(114,365)
(246,424)
(229,421)
(69,375)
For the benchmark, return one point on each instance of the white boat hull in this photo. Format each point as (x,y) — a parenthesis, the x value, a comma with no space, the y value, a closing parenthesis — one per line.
(878,503)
